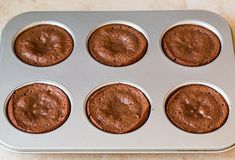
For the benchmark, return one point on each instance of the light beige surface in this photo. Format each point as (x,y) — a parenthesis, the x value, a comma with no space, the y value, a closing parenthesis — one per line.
(10,8)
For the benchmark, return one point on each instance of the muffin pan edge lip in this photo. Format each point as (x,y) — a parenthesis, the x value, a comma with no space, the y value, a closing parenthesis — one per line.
(130,77)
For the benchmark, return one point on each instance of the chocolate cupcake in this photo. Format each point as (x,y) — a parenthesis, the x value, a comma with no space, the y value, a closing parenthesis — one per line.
(117,45)
(43,45)
(38,108)
(197,108)
(191,45)
(118,108)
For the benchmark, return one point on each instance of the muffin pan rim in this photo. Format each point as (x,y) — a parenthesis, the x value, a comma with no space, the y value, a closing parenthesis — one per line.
(132,76)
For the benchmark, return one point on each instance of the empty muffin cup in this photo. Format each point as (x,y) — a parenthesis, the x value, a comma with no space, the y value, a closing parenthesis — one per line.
(191,45)
(38,108)
(118,108)
(197,108)
(117,45)
(43,45)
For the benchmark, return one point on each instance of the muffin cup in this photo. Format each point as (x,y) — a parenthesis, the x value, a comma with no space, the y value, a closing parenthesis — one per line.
(137,87)
(67,32)
(220,92)
(126,24)
(64,92)
(155,75)
(205,26)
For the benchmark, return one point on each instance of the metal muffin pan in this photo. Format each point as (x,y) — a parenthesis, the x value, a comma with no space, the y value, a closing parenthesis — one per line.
(155,74)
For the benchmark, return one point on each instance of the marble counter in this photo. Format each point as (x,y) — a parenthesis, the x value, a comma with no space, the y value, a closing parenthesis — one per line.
(11,8)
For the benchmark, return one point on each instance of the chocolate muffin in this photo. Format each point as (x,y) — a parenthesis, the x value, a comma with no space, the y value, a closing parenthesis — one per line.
(118,108)
(38,108)
(43,45)
(191,45)
(117,45)
(197,108)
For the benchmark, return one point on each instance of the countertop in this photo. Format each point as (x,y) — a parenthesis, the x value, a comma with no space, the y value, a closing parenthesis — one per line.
(11,8)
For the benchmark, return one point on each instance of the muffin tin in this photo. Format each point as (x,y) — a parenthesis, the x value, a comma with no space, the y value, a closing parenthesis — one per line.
(155,75)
